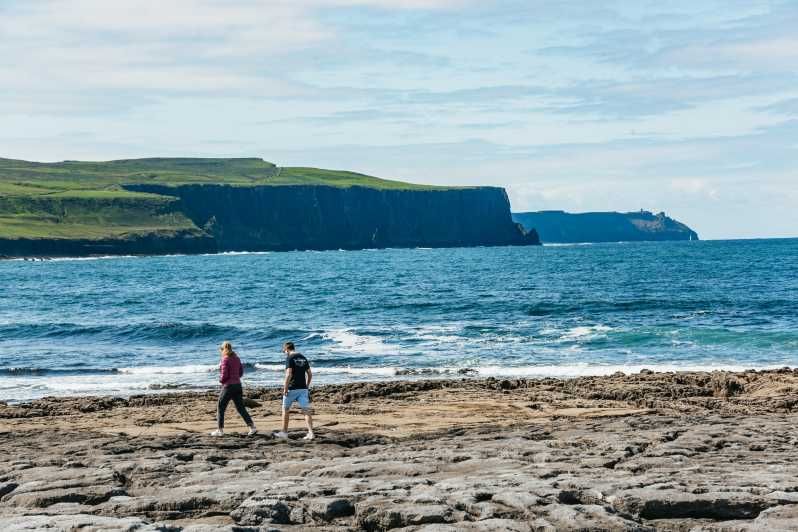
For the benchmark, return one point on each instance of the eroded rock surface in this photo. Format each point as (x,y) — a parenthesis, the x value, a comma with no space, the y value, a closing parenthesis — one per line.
(673,452)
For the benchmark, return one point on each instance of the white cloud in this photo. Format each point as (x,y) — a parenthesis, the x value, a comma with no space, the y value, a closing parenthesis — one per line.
(142,44)
(783,50)
(696,187)
(779,53)
(187,45)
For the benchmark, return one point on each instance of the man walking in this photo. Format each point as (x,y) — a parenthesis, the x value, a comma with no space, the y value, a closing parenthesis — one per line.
(295,388)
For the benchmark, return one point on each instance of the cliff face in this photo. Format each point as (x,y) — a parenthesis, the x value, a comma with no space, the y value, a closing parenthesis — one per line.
(563,227)
(279,218)
(326,217)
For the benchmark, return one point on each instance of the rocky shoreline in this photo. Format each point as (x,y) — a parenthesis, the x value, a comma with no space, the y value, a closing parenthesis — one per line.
(650,451)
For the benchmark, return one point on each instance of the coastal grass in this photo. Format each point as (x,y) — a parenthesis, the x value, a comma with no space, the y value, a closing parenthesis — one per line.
(338,178)
(80,199)
(180,171)
(88,214)
(21,227)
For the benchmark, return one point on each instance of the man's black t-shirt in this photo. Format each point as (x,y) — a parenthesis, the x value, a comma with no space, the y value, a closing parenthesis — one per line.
(299,364)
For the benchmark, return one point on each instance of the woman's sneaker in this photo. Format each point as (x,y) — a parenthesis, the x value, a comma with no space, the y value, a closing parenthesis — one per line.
(281,435)
(308,436)
(252,431)
(217,432)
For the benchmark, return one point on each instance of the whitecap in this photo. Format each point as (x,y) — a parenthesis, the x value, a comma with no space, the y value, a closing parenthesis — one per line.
(582,332)
(71,259)
(162,370)
(348,340)
(269,367)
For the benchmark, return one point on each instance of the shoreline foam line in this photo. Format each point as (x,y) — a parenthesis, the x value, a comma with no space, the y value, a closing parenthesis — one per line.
(550,370)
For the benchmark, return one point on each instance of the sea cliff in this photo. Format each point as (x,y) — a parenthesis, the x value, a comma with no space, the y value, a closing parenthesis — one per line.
(564,227)
(161,206)
(325,217)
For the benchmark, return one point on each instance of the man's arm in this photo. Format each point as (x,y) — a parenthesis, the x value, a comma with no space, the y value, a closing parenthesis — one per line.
(288,375)
(310,377)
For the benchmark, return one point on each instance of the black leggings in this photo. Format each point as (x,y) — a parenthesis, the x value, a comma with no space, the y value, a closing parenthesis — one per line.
(235,393)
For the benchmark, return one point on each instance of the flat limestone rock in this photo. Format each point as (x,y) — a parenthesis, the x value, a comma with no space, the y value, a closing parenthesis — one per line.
(488,525)
(84,523)
(328,509)
(518,500)
(517,455)
(590,517)
(388,516)
(45,498)
(256,511)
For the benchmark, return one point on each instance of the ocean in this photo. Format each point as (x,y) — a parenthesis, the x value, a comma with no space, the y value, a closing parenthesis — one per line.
(130,325)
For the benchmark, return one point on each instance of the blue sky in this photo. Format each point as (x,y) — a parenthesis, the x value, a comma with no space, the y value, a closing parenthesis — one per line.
(687,107)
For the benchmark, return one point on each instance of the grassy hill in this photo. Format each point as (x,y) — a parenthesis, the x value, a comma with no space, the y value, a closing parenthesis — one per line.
(77,175)
(74,199)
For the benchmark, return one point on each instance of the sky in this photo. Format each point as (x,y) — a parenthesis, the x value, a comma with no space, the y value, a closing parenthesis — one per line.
(687,107)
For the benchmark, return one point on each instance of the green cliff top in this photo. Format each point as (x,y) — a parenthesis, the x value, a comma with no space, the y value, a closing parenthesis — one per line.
(22,178)
(75,199)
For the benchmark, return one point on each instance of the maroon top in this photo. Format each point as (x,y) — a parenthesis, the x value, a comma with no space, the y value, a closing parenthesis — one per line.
(231,370)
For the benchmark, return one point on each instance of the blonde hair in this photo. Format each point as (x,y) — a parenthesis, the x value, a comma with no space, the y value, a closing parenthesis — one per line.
(227,349)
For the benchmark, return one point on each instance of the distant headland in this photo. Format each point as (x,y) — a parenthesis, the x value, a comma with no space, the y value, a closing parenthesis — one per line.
(192,205)
(564,227)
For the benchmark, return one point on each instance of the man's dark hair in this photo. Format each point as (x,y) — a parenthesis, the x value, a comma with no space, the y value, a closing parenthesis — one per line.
(289,345)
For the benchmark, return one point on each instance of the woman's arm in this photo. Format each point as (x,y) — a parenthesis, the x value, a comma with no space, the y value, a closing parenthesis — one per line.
(225,370)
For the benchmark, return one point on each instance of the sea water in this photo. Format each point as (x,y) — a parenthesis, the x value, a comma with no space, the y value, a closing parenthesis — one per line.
(129,325)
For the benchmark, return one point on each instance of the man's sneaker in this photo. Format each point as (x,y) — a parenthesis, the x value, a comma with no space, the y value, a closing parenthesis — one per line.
(252,431)
(217,432)
(308,436)
(281,435)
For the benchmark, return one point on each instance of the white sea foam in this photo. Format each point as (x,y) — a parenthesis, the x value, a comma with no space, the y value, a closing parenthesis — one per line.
(217,254)
(166,370)
(553,370)
(200,370)
(112,257)
(242,253)
(336,370)
(70,259)
(592,331)
(384,372)
(73,386)
(348,340)
(269,367)
(28,388)
(16,389)
(560,371)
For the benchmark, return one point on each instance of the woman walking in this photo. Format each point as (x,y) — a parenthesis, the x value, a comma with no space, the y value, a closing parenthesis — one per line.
(231,370)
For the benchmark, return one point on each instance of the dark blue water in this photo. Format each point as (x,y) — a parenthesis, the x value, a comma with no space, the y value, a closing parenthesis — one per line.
(127,325)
